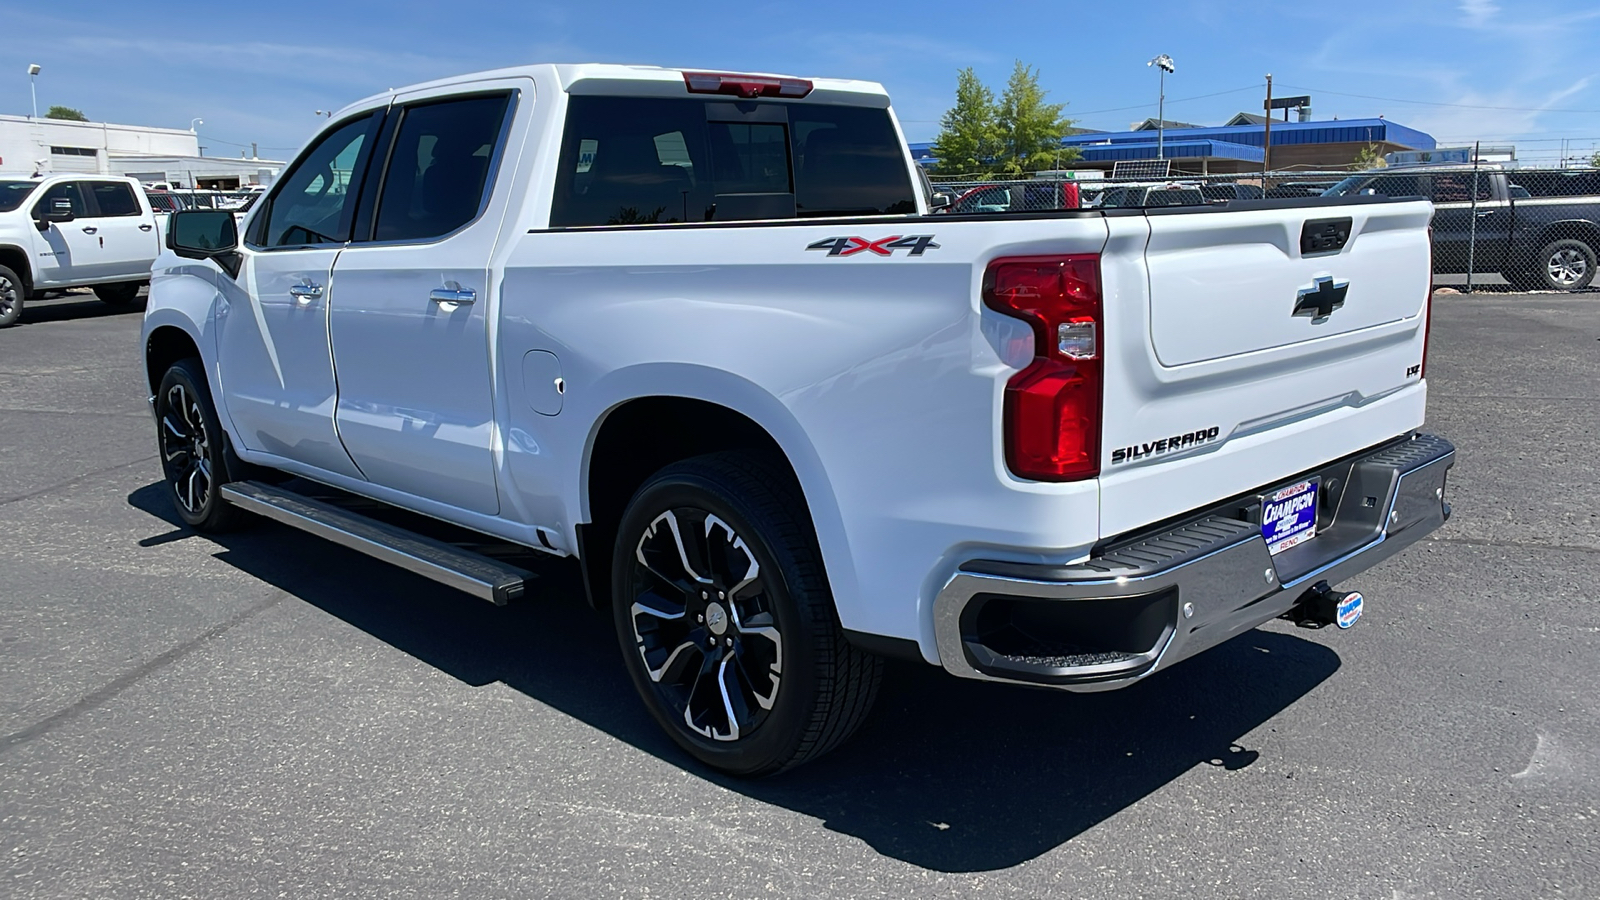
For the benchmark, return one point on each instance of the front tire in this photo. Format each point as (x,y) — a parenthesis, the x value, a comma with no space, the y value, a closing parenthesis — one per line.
(194,449)
(120,294)
(12,295)
(726,622)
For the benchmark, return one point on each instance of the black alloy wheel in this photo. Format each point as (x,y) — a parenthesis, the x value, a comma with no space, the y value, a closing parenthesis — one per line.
(193,447)
(725,620)
(11,297)
(703,624)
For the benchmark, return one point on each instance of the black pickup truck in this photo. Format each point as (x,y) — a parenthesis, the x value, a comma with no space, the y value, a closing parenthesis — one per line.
(1540,229)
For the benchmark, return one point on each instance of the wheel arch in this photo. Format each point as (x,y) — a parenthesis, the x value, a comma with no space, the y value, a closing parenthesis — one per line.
(1578,229)
(16,259)
(163,346)
(617,461)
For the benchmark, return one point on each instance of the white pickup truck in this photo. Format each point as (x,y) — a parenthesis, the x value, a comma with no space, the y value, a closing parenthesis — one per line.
(63,231)
(700,332)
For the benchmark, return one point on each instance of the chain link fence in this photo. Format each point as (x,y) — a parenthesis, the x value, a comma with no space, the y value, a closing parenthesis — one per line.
(1494,228)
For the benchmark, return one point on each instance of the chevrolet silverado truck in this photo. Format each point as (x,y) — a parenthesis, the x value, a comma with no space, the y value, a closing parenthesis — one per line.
(699,333)
(1540,229)
(65,231)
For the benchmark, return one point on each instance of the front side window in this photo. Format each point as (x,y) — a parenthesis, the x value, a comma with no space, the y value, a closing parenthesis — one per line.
(316,199)
(1458,187)
(115,198)
(71,191)
(635,160)
(439,167)
(14,193)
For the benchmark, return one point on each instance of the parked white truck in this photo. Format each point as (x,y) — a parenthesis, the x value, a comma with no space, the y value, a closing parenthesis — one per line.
(699,331)
(65,231)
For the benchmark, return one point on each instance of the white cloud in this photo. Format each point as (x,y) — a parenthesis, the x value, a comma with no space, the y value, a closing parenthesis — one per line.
(1478,12)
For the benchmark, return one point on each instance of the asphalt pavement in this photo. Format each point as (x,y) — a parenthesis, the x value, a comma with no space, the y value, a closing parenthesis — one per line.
(269,715)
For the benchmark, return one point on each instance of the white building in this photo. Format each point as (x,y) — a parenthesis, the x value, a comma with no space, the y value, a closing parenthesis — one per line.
(170,155)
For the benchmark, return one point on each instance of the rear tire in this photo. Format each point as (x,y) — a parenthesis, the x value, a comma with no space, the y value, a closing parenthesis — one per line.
(120,294)
(1564,265)
(12,294)
(726,622)
(195,455)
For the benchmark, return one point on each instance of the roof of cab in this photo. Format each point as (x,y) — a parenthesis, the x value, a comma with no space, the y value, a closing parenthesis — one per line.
(645,81)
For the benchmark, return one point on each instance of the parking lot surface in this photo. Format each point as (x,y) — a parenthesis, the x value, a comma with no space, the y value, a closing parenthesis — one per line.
(268,714)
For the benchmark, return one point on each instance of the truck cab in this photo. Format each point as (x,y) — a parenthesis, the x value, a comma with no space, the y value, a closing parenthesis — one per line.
(66,231)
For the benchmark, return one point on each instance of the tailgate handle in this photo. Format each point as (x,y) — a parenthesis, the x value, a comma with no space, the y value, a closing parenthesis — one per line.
(1324,235)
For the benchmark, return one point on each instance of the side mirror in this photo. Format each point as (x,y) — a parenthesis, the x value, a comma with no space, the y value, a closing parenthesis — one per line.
(59,211)
(205,234)
(937,202)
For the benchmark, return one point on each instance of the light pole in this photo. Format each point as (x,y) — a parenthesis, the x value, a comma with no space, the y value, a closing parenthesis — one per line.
(195,121)
(33,75)
(1164,63)
(325,113)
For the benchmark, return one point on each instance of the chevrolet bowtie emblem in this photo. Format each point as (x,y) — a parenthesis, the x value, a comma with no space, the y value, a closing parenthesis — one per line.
(1320,300)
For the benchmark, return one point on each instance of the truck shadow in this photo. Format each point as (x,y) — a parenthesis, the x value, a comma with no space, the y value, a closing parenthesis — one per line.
(949,775)
(72,306)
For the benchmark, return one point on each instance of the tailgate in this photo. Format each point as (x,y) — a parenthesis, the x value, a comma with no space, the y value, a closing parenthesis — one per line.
(1255,344)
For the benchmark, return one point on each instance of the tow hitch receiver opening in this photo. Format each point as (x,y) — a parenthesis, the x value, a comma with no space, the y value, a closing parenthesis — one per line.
(1322,605)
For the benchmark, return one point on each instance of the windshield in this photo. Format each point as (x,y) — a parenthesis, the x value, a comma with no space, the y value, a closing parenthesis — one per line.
(12,193)
(1348,186)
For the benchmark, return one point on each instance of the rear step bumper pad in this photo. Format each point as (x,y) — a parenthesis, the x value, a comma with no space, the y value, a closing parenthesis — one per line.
(1209,578)
(473,573)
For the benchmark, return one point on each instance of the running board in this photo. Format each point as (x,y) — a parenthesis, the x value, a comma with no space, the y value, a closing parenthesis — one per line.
(464,570)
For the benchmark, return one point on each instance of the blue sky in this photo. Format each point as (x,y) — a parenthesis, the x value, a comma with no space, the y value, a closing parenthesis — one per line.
(1499,70)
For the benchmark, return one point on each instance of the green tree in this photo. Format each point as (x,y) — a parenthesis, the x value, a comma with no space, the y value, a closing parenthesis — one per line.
(66,112)
(1595,160)
(1030,129)
(1369,157)
(969,132)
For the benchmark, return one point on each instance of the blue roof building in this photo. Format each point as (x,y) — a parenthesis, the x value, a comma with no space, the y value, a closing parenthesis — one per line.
(1307,146)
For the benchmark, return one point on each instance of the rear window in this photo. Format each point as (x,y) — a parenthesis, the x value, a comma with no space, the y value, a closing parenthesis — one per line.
(637,161)
(14,193)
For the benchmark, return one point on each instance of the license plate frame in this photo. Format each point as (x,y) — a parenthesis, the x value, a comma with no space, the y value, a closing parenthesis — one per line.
(1289,515)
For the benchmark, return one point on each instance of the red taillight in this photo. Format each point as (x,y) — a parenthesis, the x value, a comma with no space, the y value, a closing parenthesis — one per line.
(1052,407)
(745,85)
(1427,310)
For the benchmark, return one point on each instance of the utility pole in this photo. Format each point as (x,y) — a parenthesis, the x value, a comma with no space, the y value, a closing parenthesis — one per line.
(1266,139)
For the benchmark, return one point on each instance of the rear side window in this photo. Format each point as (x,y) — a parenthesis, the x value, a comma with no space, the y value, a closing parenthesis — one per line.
(632,161)
(439,167)
(115,199)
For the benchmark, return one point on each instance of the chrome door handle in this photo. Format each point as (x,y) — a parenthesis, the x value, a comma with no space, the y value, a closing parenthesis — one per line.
(89,229)
(305,293)
(452,295)
(146,227)
(1489,213)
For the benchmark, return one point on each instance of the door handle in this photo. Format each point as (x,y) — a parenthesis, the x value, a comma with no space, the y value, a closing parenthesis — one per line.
(89,229)
(1489,213)
(453,295)
(305,293)
(146,227)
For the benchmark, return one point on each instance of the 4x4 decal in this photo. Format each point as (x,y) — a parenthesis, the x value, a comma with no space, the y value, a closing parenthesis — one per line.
(915,244)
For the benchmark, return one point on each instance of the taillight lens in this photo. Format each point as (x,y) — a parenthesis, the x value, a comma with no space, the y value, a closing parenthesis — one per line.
(745,85)
(1427,310)
(1053,407)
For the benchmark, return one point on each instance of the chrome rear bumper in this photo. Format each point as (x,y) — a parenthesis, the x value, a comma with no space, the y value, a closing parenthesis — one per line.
(1152,599)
